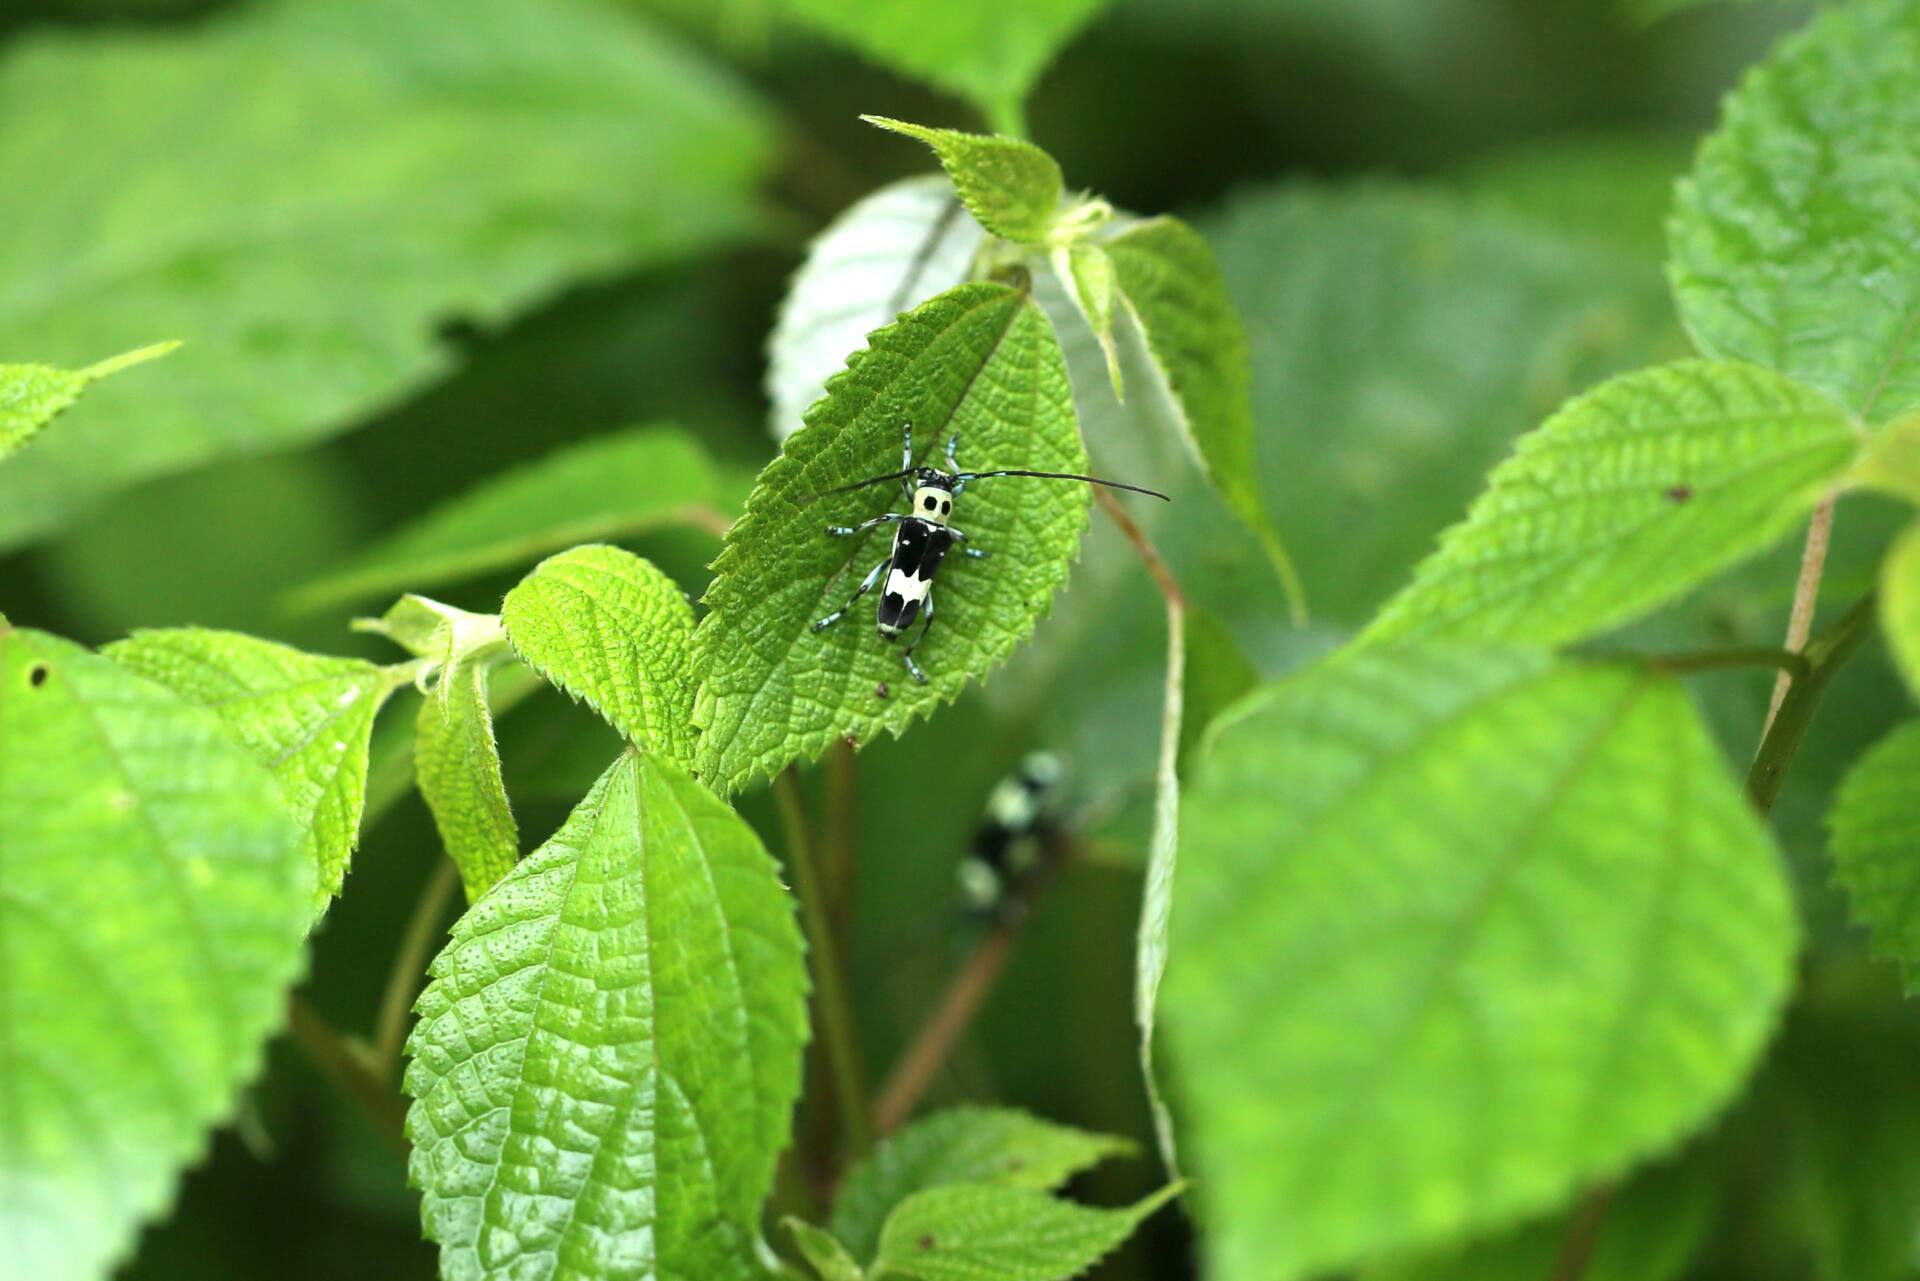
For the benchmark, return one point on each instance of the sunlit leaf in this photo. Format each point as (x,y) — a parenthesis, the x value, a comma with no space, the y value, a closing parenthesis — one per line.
(1458,932)
(626,483)
(31,396)
(340,180)
(1644,487)
(980,1232)
(891,251)
(456,765)
(306,717)
(153,901)
(611,629)
(1795,243)
(1012,188)
(1001,1146)
(1876,847)
(608,1054)
(979,362)
(1900,605)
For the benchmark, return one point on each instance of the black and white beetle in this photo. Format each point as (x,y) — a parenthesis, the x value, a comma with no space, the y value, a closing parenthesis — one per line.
(1015,837)
(924,537)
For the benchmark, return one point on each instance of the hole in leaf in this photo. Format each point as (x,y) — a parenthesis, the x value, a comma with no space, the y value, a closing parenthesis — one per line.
(37,675)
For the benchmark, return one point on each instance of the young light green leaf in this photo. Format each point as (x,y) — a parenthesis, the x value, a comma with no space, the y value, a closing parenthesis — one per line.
(609,1051)
(615,486)
(829,1259)
(306,717)
(348,195)
(1644,487)
(1875,824)
(456,765)
(1459,931)
(1891,461)
(611,629)
(984,1232)
(989,52)
(1086,274)
(1795,243)
(1156,902)
(892,250)
(1012,188)
(978,362)
(153,902)
(31,396)
(440,633)
(1001,1146)
(1174,290)
(1900,605)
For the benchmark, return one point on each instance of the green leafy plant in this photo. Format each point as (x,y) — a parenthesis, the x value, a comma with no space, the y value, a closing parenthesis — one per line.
(1437,777)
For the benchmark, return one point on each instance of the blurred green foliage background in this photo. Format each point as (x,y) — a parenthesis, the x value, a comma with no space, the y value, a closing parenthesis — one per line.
(1439,219)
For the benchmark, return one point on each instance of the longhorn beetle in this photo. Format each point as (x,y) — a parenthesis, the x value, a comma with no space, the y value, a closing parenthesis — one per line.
(922,538)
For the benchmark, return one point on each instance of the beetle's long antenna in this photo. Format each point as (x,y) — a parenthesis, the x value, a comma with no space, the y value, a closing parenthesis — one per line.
(860,484)
(1065,475)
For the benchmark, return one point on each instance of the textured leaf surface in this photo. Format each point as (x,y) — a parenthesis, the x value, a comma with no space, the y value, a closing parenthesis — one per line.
(987,51)
(619,485)
(1401,340)
(306,717)
(609,1051)
(456,765)
(829,1259)
(892,250)
(31,396)
(1900,605)
(1002,1146)
(1087,276)
(1012,188)
(1644,487)
(1174,288)
(1795,243)
(336,190)
(978,1232)
(980,361)
(1458,932)
(1876,847)
(153,901)
(611,629)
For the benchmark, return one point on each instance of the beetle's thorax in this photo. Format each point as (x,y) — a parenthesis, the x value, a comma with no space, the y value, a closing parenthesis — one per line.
(933,503)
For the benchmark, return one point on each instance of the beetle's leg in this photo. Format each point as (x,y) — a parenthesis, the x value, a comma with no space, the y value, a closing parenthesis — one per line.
(961,538)
(865,525)
(926,622)
(906,456)
(865,587)
(953,446)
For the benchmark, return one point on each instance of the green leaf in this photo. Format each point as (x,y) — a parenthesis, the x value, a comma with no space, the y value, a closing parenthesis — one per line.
(1612,191)
(1173,288)
(1891,460)
(1515,927)
(609,1051)
(1900,605)
(616,486)
(989,52)
(31,396)
(892,250)
(611,629)
(1012,188)
(456,765)
(306,717)
(1001,1146)
(1087,275)
(828,1257)
(980,361)
(1400,340)
(1795,243)
(1219,674)
(358,173)
(1644,487)
(1875,826)
(153,902)
(980,1232)
(1156,902)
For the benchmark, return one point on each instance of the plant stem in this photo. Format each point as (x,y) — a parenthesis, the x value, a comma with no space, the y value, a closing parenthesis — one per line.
(1791,716)
(830,980)
(840,856)
(1149,554)
(348,1071)
(1791,663)
(409,962)
(1583,1234)
(1806,595)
